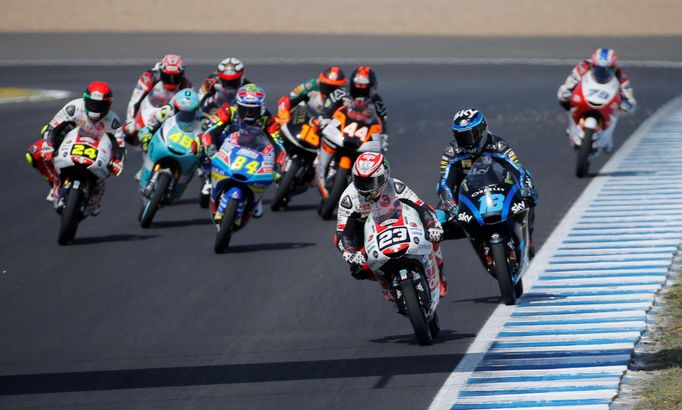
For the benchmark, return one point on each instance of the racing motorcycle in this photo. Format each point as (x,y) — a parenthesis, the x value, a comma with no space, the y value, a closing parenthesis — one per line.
(400,254)
(153,103)
(170,163)
(495,217)
(354,129)
(239,177)
(301,140)
(82,162)
(592,118)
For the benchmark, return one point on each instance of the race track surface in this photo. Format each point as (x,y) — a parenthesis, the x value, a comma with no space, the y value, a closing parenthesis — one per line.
(127,317)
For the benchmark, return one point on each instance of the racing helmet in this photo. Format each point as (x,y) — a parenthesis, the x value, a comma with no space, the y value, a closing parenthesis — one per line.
(250,103)
(363,82)
(230,73)
(97,100)
(172,71)
(186,103)
(370,175)
(330,80)
(604,61)
(469,130)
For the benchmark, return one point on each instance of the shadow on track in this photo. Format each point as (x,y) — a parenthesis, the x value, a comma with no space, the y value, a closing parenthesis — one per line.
(619,174)
(111,238)
(443,337)
(485,299)
(300,207)
(269,246)
(226,374)
(186,222)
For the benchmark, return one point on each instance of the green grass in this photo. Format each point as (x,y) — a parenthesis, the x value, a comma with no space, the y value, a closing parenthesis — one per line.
(664,390)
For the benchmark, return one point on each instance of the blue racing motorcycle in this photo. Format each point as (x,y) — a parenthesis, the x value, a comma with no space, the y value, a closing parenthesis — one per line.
(241,171)
(170,163)
(495,217)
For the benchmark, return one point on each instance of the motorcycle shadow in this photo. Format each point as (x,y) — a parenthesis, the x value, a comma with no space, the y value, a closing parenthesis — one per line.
(301,207)
(619,174)
(268,246)
(443,336)
(92,240)
(485,299)
(181,223)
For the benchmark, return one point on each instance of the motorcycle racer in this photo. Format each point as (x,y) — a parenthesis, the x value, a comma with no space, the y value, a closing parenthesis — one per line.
(363,84)
(93,117)
(184,107)
(603,65)
(472,139)
(375,191)
(221,86)
(165,79)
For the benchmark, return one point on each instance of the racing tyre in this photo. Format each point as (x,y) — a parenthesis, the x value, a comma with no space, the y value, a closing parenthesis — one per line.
(328,206)
(582,165)
(204,200)
(415,313)
(518,288)
(284,187)
(70,217)
(153,204)
(434,325)
(222,239)
(504,279)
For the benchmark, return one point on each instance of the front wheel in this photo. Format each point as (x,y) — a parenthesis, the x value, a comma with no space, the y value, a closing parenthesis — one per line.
(583,163)
(153,204)
(416,314)
(285,186)
(222,239)
(330,204)
(70,216)
(504,278)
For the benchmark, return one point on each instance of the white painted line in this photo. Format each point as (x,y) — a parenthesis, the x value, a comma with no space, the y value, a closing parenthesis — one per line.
(43,95)
(542,302)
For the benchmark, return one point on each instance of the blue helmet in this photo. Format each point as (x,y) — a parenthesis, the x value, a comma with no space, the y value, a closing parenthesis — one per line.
(186,102)
(250,102)
(470,130)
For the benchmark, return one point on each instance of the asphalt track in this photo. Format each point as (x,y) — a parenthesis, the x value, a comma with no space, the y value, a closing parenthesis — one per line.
(133,318)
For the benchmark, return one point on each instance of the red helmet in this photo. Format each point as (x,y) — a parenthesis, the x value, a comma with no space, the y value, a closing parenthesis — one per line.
(604,61)
(363,82)
(330,80)
(370,175)
(172,71)
(230,72)
(97,100)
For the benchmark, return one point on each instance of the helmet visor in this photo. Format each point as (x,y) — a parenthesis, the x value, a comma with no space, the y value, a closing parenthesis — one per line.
(249,113)
(366,186)
(602,75)
(359,92)
(327,89)
(98,106)
(185,116)
(232,84)
(467,138)
(172,79)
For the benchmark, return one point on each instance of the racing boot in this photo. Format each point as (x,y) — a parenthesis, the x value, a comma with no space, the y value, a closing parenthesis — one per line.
(441,273)
(258,209)
(94,204)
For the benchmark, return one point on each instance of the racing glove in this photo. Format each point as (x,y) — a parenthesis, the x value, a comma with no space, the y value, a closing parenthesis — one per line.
(210,150)
(46,151)
(116,167)
(144,136)
(384,142)
(627,107)
(355,259)
(435,232)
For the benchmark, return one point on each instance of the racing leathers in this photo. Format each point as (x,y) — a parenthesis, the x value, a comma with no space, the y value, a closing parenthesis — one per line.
(454,167)
(214,95)
(70,116)
(628,102)
(353,211)
(148,85)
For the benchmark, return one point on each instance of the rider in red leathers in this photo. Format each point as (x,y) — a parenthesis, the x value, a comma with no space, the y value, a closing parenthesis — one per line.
(165,79)
(92,115)
(603,64)
(374,191)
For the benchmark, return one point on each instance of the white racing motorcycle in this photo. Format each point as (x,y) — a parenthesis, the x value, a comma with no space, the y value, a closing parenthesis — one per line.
(82,162)
(400,254)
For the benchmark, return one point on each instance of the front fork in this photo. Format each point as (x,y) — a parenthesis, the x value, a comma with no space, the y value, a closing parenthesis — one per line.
(419,283)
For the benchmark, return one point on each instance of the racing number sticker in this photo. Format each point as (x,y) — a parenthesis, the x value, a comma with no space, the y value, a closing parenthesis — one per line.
(352,130)
(84,151)
(181,138)
(241,161)
(392,237)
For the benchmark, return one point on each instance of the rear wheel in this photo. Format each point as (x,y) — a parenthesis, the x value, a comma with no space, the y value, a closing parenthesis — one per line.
(330,204)
(152,205)
(504,279)
(415,313)
(285,186)
(70,217)
(222,239)
(582,165)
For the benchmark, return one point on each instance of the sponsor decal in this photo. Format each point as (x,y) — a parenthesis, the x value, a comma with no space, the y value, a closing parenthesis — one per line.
(464,217)
(399,187)
(346,202)
(70,110)
(466,163)
(415,240)
(247,153)
(518,207)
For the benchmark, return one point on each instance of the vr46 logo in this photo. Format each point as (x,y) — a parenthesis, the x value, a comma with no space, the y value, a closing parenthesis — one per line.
(518,207)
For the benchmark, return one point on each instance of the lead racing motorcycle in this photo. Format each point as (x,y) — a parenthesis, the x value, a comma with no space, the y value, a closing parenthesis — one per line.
(169,164)
(82,163)
(592,118)
(494,215)
(241,172)
(400,254)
